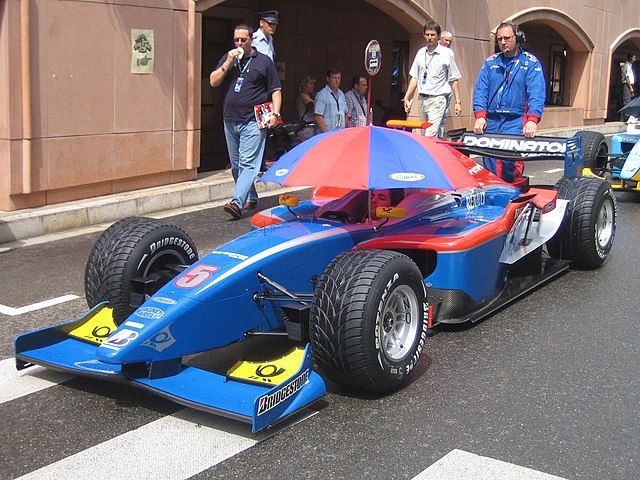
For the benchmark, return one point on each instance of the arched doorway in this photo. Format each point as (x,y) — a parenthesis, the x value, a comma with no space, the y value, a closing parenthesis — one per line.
(564,49)
(628,42)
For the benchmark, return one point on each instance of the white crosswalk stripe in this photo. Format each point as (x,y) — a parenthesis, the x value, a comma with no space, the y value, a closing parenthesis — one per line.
(461,465)
(176,446)
(15,384)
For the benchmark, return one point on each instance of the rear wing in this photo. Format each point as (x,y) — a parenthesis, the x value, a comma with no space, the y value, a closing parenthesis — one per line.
(518,147)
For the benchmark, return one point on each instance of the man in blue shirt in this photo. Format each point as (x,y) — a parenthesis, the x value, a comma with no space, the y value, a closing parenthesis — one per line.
(263,37)
(509,96)
(330,112)
(249,78)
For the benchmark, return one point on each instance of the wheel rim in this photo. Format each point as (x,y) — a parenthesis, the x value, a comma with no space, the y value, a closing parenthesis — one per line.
(399,322)
(604,225)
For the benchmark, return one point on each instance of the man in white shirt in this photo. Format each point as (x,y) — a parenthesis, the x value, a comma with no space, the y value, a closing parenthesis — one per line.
(434,74)
(628,79)
(263,36)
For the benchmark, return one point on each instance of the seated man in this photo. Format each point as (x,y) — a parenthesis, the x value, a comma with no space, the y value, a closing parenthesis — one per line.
(384,198)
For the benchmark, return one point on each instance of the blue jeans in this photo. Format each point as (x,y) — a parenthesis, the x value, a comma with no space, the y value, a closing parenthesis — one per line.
(245,144)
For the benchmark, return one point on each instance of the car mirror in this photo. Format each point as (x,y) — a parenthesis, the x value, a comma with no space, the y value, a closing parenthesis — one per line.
(289,200)
(391,212)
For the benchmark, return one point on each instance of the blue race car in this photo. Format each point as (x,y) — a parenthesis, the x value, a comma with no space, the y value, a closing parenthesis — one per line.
(354,293)
(621,167)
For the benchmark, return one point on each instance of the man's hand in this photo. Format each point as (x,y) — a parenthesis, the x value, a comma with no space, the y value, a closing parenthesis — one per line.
(457,109)
(272,121)
(530,128)
(480,126)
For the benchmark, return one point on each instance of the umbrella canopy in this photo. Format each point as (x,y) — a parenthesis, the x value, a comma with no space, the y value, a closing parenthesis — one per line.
(366,158)
(632,108)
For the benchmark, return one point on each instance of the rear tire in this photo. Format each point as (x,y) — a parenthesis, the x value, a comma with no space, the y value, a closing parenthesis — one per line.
(367,323)
(588,230)
(595,151)
(141,247)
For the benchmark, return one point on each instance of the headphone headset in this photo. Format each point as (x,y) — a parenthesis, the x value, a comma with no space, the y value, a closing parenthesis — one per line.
(520,38)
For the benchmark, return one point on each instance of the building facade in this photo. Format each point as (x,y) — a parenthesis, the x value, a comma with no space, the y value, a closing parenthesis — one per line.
(106,96)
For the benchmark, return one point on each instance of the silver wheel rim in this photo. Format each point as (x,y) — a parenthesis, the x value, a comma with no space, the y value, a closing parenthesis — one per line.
(604,225)
(398,327)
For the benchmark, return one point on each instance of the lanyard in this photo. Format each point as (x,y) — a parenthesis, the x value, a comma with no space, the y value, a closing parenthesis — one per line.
(336,99)
(431,55)
(246,66)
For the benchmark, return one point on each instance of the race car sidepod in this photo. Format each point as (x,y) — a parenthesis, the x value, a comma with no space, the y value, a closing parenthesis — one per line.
(260,393)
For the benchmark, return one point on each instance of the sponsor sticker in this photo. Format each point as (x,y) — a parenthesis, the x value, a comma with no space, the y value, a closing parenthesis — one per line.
(121,338)
(406,176)
(161,340)
(270,372)
(268,402)
(129,323)
(149,312)
(97,328)
(164,300)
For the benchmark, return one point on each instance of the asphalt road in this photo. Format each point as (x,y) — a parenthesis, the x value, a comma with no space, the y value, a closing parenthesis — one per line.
(549,383)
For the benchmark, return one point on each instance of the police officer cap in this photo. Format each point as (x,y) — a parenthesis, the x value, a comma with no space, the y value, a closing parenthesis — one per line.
(270,16)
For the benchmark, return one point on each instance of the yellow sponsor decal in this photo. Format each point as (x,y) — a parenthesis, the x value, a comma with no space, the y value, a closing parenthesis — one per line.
(97,328)
(269,372)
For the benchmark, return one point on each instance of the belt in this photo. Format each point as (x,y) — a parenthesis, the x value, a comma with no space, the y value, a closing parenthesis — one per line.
(429,95)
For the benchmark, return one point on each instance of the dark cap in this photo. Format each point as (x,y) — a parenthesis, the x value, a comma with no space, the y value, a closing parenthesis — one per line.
(270,16)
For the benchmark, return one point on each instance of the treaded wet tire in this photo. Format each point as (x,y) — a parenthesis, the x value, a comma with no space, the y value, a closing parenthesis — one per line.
(367,321)
(588,230)
(139,247)
(595,151)
(94,279)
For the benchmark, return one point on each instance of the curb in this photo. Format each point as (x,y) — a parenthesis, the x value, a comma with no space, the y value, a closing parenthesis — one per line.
(205,191)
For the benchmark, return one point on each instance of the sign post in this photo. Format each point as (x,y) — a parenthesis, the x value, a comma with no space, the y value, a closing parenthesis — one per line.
(372,62)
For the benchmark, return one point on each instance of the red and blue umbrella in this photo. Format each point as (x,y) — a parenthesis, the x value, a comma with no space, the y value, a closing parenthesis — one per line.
(367,158)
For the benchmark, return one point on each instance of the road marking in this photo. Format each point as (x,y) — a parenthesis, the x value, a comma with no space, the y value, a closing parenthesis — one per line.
(36,306)
(15,384)
(463,465)
(554,170)
(177,446)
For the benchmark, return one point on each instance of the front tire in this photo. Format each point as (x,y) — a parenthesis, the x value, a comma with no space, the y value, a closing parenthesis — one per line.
(367,324)
(588,230)
(595,152)
(141,247)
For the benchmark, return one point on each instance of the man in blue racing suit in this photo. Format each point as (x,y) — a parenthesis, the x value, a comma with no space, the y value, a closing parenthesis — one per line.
(509,96)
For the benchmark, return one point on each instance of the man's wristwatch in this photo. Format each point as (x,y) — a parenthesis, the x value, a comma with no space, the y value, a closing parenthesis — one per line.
(277,115)
(459,102)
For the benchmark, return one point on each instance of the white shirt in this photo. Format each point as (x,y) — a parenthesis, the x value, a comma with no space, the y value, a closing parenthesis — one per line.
(440,68)
(263,44)
(627,71)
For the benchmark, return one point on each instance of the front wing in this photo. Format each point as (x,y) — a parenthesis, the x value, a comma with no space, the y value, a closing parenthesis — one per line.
(250,392)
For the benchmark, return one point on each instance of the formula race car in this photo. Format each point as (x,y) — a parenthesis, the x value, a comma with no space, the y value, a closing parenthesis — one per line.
(621,167)
(354,289)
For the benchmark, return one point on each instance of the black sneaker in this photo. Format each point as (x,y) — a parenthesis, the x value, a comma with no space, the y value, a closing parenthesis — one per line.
(233,210)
